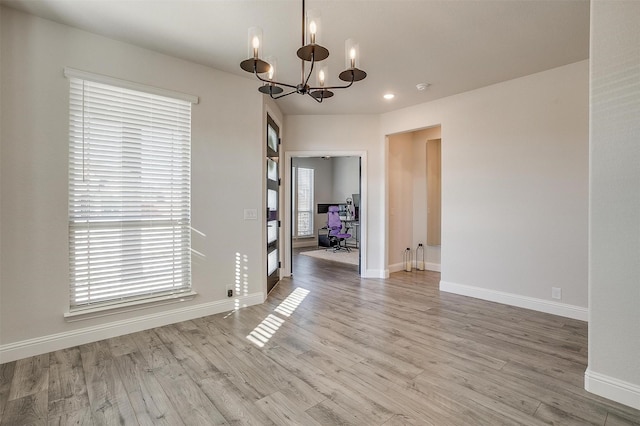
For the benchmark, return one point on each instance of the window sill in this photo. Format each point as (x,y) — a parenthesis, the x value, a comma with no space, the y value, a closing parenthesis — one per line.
(133,305)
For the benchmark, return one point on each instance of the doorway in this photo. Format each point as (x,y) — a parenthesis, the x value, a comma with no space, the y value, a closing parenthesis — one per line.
(414,197)
(313,182)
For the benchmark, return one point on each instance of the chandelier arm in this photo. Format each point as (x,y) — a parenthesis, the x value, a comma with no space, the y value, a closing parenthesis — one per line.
(313,61)
(332,87)
(316,99)
(275,83)
(283,95)
(336,87)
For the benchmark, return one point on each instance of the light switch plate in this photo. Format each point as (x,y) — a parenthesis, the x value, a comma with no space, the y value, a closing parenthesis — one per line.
(250,214)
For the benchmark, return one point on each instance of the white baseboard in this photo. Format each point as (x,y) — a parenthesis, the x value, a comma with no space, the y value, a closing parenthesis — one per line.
(611,388)
(432,266)
(305,242)
(397,267)
(541,305)
(377,273)
(54,342)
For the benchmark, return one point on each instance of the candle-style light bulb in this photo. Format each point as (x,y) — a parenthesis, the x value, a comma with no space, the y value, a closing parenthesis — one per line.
(352,56)
(321,77)
(271,72)
(312,31)
(256,44)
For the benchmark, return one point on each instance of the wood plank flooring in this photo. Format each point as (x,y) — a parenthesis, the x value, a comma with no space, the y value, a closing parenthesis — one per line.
(327,348)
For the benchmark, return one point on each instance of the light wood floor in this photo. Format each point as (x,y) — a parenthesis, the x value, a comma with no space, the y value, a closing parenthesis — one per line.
(336,350)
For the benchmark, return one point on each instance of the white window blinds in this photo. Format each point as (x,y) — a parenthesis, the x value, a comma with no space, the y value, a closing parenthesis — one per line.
(129,194)
(304,186)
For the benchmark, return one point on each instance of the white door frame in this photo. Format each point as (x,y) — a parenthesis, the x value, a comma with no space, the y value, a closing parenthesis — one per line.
(288,155)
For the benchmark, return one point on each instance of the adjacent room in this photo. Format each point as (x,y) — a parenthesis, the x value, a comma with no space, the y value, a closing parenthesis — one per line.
(464,172)
(321,184)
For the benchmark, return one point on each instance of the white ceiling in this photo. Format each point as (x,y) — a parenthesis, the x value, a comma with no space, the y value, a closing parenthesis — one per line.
(455,45)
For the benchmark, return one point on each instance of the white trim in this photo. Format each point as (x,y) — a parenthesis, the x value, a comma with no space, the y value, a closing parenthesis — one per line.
(397,267)
(611,388)
(429,266)
(541,305)
(128,306)
(125,84)
(376,273)
(67,339)
(306,242)
(364,212)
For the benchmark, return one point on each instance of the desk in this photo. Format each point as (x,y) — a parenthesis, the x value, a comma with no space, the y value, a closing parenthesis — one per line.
(323,239)
(355,235)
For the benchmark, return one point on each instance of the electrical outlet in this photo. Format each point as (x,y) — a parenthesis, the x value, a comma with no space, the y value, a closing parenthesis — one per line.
(556,293)
(229,291)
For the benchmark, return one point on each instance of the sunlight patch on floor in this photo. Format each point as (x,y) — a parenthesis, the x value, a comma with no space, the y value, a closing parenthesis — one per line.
(289,305)
(265,330)
(268,327)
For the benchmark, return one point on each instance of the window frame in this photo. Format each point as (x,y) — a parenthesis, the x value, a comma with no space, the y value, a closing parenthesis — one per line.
(309,205)
(134,227)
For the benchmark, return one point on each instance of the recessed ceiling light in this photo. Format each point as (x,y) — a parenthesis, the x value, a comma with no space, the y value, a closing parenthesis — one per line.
(389,96)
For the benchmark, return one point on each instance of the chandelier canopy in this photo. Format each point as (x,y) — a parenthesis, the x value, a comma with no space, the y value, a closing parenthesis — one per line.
(310,52)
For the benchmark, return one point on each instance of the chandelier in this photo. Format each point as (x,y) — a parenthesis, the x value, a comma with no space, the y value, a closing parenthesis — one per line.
(310,52)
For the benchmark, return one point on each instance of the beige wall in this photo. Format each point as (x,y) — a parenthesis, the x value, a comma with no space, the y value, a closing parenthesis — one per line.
(514,160)
(514,188)
(400,199)
(1,125)
(227,132)
(614,205)
(346,178)
(420,205)
(345,135)
(407,187)
(514,181)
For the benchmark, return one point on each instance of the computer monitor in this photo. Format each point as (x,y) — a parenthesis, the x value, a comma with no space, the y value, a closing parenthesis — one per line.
(324,207)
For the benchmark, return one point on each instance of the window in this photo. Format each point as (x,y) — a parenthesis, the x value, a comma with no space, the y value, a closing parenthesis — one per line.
(129,192)
(304,194)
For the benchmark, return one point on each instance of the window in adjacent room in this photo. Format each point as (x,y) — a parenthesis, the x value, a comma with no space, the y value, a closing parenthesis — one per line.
(304,202)
(129,192)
